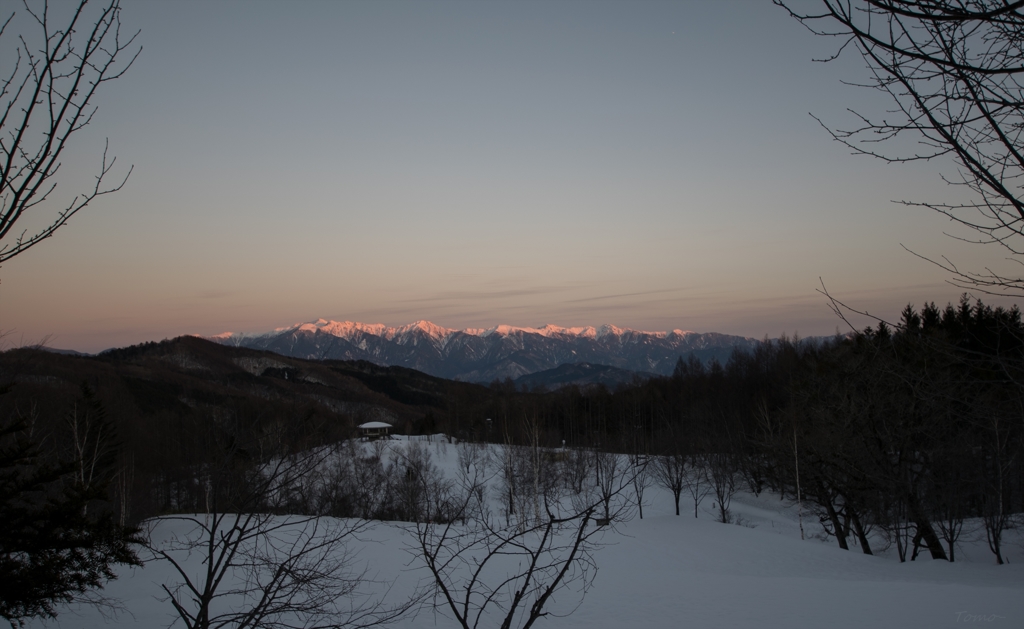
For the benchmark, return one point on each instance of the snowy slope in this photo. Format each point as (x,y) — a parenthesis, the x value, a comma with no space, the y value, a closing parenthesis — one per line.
(669,571)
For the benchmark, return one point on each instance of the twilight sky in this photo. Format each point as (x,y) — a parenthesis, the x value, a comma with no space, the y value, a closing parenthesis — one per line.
(646,164)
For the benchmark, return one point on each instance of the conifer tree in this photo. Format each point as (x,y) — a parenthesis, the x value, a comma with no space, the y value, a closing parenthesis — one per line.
(57,543)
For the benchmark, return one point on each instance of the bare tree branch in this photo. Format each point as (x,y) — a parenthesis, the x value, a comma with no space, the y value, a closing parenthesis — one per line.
(953,70)
(45,98)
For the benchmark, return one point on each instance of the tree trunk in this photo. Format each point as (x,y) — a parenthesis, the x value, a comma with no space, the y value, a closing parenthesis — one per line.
(837,526)
(916,545)
(859,530)
(927,533)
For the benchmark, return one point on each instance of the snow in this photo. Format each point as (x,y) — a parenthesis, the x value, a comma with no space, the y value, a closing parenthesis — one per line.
(372,425)
(349,329)
(547,330)
(344,329)
(673,571)
(425,327)
(551,330)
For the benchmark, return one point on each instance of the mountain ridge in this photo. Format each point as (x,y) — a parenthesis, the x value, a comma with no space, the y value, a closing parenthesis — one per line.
(347,329)
(487,354)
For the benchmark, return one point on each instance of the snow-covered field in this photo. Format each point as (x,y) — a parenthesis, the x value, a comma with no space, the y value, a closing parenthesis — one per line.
(669,571)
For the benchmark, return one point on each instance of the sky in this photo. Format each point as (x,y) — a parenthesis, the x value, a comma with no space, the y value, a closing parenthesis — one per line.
(652,165)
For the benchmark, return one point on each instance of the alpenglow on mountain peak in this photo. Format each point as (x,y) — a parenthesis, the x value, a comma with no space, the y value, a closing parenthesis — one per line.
(486,354)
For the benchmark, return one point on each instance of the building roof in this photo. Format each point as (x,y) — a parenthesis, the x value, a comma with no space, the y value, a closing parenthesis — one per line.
(372,425)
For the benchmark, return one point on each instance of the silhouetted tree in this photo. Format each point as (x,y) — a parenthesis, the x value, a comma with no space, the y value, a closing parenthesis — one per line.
(951,72)
(670,472)
(263,564)
(58,540)
(53,68)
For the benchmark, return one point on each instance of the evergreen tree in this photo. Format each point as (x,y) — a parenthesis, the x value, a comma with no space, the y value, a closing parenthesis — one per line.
(57,543)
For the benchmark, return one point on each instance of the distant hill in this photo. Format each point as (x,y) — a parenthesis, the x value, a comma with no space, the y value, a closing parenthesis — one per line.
(189,377)
(581,374)
(164,409)
(69,352)
(485,355)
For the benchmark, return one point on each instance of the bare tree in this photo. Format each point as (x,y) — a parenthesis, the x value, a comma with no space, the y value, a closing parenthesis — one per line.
(609,471)
(419,490)
(696,480)
(508,574)
(474,472)
(951,70)
(91,441)
(721,471)
(676,470)
(260,569)
(577,468)
(53,72)
(641,473)
(637,446)
(996,515)
(369,479)
(527,472)
(511,472)
(670,472)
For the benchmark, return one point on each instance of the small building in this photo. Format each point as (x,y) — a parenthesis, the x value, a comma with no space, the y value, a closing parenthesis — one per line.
(375,430)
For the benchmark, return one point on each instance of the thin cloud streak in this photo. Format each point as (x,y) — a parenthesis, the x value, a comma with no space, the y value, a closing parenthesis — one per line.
(489,295)
(622,295)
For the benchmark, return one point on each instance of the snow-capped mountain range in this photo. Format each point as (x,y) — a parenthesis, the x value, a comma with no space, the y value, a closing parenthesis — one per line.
(486,354)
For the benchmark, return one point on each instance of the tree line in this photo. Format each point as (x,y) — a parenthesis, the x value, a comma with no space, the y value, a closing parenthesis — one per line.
(905,429)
